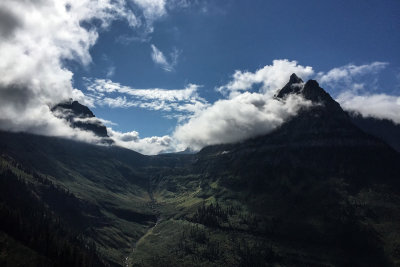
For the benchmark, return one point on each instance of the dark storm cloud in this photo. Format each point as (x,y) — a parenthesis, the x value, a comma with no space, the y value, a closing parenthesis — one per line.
(8,23)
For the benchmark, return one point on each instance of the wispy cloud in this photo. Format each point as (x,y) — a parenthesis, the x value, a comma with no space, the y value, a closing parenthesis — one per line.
(352,77)
(160,59)
(177,101)
(110,71)
(348,72)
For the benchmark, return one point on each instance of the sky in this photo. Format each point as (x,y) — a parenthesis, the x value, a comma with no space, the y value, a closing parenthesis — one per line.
(164,75)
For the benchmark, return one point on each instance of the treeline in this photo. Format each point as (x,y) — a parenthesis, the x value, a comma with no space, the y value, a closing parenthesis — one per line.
(212,215)
(195,241)
(28,220)
(230,217)
(200,244)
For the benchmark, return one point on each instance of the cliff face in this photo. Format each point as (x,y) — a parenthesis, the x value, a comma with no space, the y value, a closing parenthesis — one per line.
(385,129)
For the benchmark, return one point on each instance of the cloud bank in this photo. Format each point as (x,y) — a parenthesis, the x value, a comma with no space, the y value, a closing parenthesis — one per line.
(37,38)
(380,106)
(244,114)
(148,145)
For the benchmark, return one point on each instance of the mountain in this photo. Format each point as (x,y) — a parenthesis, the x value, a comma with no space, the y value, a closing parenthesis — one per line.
(80,116)
(317,191)
(321,178)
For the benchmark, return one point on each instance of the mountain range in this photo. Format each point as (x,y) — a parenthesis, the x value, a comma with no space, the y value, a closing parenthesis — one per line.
(323,189)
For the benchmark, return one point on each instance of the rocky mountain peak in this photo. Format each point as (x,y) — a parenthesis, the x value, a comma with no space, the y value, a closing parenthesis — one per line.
(295,79)
(324,121)
(294,85)
(312,91)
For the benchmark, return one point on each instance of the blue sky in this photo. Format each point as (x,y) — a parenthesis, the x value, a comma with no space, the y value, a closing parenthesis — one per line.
(169,74)
(215,38)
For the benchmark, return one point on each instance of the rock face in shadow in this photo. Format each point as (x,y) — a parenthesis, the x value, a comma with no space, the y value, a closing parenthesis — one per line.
(294,85)
(80,116)
(321,139)
(385,129)
(320,190)
(310,169)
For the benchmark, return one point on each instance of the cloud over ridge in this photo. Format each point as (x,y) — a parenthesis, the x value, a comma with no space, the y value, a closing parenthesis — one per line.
(243,114)
(231,120)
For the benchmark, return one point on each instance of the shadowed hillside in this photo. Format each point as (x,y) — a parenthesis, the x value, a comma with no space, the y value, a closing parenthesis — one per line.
(317,191)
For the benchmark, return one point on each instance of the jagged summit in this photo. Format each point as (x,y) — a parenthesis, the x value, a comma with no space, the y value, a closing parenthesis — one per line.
(295,79)
(324,117)
(312,91)
(294,85)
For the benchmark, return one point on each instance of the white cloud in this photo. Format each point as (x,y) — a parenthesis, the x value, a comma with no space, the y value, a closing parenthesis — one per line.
(270,77)
(381,106)
(348,72)
(241,117)
(159,58)
(152,9)
(148,146)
